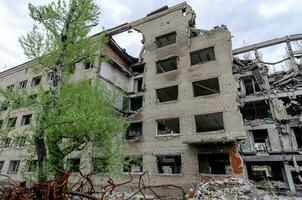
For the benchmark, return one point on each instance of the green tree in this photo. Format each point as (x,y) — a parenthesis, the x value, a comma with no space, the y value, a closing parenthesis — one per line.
(69,116)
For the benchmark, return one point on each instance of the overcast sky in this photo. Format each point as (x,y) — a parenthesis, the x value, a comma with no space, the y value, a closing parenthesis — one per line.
(249,21)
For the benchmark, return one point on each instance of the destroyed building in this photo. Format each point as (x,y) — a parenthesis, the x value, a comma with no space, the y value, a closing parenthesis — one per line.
(195,111)
(270,104)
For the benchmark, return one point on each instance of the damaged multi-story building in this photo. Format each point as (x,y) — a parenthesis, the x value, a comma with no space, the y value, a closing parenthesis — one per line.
(270,104)
(195,110)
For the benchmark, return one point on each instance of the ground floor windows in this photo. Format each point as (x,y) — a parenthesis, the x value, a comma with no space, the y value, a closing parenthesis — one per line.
(169,164)
(133,164)
(13,166)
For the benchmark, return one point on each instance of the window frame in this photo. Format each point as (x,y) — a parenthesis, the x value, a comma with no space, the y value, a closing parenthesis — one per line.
(199,51)
(9,171)
(166,36)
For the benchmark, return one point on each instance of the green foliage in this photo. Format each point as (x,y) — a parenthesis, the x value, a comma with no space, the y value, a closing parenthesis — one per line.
(69,116)
(61,32)
(85,117)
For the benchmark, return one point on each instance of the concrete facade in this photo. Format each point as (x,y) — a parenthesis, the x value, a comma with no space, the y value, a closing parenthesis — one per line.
(182,155)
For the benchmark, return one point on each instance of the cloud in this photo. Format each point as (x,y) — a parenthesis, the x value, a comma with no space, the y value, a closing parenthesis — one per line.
(271,10)
(248,21)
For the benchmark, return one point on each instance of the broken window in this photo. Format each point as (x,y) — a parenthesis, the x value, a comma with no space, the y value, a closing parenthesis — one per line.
(26,120)
(10,88)
(134,131)
(13,166)
(209,122)
(167,94)
(133,164)
(88,65)
(168,126)
(138,85)
(138,69)
(1,165)
(265,171)
(255,110)
(12,122)
(214,163)
(23,84)
(166,65)
(20,141)
(298,135)
(136,103)
(169,164)
(166,40)
(31,165)
(202,56)
(261,141)
(73,164)
(36,81)
(206,87)
(250,85)
(100,165)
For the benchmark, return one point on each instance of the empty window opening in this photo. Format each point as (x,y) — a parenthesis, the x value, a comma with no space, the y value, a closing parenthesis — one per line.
(23,84)
(214,163)
(169,164)
(31,165)
(36,81)
(250,85)
(168,126)
(73,164)
(261,141)
(100,165)
(138,85)
(255,110)
(138,69)
(206,87)
(133,164)
(296,174)
(184,12)
(167,94)
(166,65)
(10,88)
(135,130)
(136,103)
(166,39)
(1,165)
(12,122)
(13,166)
(298,135)
(209,122)
(5,142)
(202,56)
(88,65)
(1,123)
(26,120)
(265,171)
(20,141)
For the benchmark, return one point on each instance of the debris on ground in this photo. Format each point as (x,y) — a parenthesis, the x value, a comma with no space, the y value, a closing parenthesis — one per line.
(232,189)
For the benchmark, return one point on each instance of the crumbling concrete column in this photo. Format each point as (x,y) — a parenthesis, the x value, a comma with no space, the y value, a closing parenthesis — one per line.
(287,176)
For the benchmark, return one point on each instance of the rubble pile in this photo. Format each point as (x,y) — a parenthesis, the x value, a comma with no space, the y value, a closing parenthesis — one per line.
(230,189)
